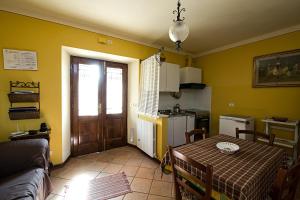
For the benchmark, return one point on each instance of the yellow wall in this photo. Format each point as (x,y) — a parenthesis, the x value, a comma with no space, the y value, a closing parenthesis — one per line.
(47,38)
(230,74)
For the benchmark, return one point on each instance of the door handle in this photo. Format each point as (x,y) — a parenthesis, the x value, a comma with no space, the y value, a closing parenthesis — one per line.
(99,108)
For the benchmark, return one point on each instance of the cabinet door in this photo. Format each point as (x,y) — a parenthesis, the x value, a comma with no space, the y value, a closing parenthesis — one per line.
(163,77)
(170,131)
(179,130)
(190,125)
(173,76)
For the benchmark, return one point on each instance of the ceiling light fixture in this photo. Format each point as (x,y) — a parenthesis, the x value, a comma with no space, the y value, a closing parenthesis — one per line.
(178,31)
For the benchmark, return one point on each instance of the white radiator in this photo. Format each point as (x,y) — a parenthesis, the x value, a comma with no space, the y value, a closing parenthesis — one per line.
(146,137)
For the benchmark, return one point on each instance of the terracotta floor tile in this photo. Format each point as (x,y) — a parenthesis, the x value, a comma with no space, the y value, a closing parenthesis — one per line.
(161,188)
(105,157)
(141,185)
(134,162)
(120,160)
(149,163)
(95,166)
(139,168)
(78,163)
(103,174)
(112,168)
(59,185)
(59,172)
(71,173)
(129,170)
(92,156)
(130,179)
(159,176)
(145,173)
(135,196)
(155,197)
(55,197)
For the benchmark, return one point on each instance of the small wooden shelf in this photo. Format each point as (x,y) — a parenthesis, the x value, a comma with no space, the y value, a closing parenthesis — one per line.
(23,98)
(45,135)
(24,115)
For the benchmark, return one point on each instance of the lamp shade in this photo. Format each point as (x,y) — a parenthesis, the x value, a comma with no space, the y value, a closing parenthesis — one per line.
(178,31)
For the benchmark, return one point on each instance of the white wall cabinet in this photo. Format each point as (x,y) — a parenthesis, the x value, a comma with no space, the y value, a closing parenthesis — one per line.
(169,77)
(177,126)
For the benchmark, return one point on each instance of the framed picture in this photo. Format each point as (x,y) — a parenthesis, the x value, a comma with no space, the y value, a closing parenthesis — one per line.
(19,60)
(277,70)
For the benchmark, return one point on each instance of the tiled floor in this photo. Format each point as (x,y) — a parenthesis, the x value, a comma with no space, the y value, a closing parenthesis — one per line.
(143,174)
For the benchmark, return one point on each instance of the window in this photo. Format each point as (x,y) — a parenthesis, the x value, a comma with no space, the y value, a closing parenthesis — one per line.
(114,90)
(88,83)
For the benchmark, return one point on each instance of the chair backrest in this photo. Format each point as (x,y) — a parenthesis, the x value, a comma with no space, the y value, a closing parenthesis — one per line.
(270,137)
(179,172)
(196,132)
(285,184)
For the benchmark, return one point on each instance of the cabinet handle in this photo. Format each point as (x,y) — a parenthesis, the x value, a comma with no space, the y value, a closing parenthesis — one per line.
(240,121)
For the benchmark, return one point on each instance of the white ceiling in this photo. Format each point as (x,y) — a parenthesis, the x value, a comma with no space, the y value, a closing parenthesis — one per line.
(213,23)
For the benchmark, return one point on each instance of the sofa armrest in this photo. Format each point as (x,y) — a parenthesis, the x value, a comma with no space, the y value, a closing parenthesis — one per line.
(20,155)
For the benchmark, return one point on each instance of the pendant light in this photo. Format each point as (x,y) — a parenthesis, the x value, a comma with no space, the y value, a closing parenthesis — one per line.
(178,31)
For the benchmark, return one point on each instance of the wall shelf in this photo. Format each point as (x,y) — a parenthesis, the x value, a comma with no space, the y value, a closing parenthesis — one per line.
(24,115)
(24,92)
(23,98)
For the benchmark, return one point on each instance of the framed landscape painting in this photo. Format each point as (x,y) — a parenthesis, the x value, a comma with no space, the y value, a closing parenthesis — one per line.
(277,70)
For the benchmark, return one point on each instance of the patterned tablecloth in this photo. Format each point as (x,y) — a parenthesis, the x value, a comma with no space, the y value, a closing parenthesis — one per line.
(245,175)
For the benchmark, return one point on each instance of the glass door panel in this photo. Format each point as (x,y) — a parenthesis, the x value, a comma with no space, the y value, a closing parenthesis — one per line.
(114,90)
(88,87)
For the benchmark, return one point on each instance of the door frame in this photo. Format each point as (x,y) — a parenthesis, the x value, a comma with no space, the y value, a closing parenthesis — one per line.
(124,114)
(102,97)
(74,104)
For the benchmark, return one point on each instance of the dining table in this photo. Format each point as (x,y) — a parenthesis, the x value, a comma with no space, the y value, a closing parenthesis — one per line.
(247,174)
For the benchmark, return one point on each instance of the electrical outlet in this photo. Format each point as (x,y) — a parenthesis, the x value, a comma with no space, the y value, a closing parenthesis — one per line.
(104,41)
(131,134)
(109,42)
(231,104)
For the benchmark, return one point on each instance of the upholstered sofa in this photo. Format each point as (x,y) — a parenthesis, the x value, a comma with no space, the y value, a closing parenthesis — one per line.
(24,170)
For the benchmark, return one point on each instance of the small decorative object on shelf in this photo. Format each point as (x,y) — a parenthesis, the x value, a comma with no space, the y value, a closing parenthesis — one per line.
(29,135)
(20,93)
(280,119)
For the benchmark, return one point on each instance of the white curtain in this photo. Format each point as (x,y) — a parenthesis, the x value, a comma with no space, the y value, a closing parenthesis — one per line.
(149,86)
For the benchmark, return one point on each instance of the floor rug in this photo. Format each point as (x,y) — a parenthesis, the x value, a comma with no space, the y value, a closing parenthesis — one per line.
(100,188)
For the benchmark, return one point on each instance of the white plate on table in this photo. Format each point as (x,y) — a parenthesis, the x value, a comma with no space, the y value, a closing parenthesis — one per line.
(227,147)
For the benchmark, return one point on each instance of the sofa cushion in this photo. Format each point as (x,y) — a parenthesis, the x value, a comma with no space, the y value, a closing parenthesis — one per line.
(21,155)
(25,185)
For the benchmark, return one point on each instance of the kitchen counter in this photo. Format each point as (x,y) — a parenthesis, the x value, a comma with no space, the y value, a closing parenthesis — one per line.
(175,115)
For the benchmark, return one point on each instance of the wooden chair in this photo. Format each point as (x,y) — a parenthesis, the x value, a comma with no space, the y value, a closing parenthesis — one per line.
(285,184)
(183,183)
(256,135)
(201,133)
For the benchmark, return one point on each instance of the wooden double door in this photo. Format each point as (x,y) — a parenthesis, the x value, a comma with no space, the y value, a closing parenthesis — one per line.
(98,105)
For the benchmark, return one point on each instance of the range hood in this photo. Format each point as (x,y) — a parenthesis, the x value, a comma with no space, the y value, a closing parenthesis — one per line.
(191,78)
